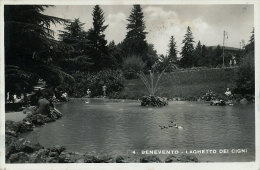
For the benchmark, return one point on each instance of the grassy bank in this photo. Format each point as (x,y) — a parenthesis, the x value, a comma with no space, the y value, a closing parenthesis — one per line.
(184,83)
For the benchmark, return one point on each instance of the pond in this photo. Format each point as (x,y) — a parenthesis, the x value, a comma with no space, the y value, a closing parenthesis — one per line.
(115,127)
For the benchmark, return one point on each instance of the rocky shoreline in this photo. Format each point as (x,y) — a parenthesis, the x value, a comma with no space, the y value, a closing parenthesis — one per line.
(20,150)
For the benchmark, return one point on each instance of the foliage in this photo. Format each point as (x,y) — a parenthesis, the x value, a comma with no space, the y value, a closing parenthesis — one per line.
(172,52)
(187,54)
(154,101)
(151,85)
(115,53)
(30,47)
(76,58)
(164,63)
(18,81)
(135,43)
(198,54)
(245,77)
(97,46)
(95,80)
(132,66)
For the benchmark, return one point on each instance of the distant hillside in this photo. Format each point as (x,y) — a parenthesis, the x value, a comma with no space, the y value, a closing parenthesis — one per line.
(185,84)
(226,48)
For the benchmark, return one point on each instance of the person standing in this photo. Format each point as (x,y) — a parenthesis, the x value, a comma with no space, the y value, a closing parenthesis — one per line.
(104,88)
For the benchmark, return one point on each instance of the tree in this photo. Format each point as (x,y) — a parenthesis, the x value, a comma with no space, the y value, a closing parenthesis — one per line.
(245,76)
(97,47)
(198,54)
(30,48)
(251,45)
(76,37)
(218,55)
(150,57)
(135,43)
(115,53)
(172,52)
(187,59)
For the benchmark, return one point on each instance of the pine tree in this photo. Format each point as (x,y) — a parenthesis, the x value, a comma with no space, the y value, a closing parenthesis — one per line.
(218,55)
(252,37)
(98,49)
(172,52)
(75,36)
(204,56)
(135,43)
(197,54)
(251,44)
(187,59)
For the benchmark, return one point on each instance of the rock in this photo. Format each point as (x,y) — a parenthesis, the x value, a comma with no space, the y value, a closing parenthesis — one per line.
(149,159)
(121,159)
(10,132)
(30,110)
(11,126)
(22,145)
(19,157)
(96,159)
(90,159)
(44,106)
(9,139)
(25,126)
(188,158)
(36,119)
(106,159)
(70,157)
(9,145)
(52,160)
(53,154)
(153,101)
(182,158)
(171,158)
(57,148)
(39,156)
(244,101)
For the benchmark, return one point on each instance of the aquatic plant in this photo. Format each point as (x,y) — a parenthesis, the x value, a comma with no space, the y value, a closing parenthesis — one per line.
(151,85)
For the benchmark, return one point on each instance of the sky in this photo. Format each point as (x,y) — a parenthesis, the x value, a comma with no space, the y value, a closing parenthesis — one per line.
(207,22)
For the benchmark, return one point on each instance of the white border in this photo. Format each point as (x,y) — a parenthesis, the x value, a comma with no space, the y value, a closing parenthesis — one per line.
(131,166)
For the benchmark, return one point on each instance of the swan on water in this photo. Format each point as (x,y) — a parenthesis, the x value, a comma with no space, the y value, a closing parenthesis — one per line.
(178,127)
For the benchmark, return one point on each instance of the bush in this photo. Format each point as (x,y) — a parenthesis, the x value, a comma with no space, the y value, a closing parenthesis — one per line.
(131,66)
(154,101)
(94,81)
(245,77)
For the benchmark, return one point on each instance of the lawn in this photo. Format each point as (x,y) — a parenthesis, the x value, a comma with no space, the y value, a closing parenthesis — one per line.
(185,83)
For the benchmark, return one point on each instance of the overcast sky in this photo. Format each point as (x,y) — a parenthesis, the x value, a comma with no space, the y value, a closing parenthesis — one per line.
(207,22)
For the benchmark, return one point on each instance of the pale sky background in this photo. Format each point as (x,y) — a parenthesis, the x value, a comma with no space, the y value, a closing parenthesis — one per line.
(207,22)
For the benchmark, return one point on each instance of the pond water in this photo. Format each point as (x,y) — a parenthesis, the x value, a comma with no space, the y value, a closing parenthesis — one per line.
(114,127)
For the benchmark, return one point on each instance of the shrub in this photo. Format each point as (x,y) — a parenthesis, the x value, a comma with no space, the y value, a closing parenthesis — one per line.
(245,77)
(131,66)
(94,81)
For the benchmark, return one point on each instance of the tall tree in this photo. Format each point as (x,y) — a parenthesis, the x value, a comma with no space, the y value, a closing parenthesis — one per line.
(197,54)
(218,55)
(75,36)
(251,45)
(187,59)
(172,52)
(135,43)
(98,49)
(30,48)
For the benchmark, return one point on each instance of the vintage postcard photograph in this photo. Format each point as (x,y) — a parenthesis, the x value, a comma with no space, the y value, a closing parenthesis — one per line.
(129,83)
